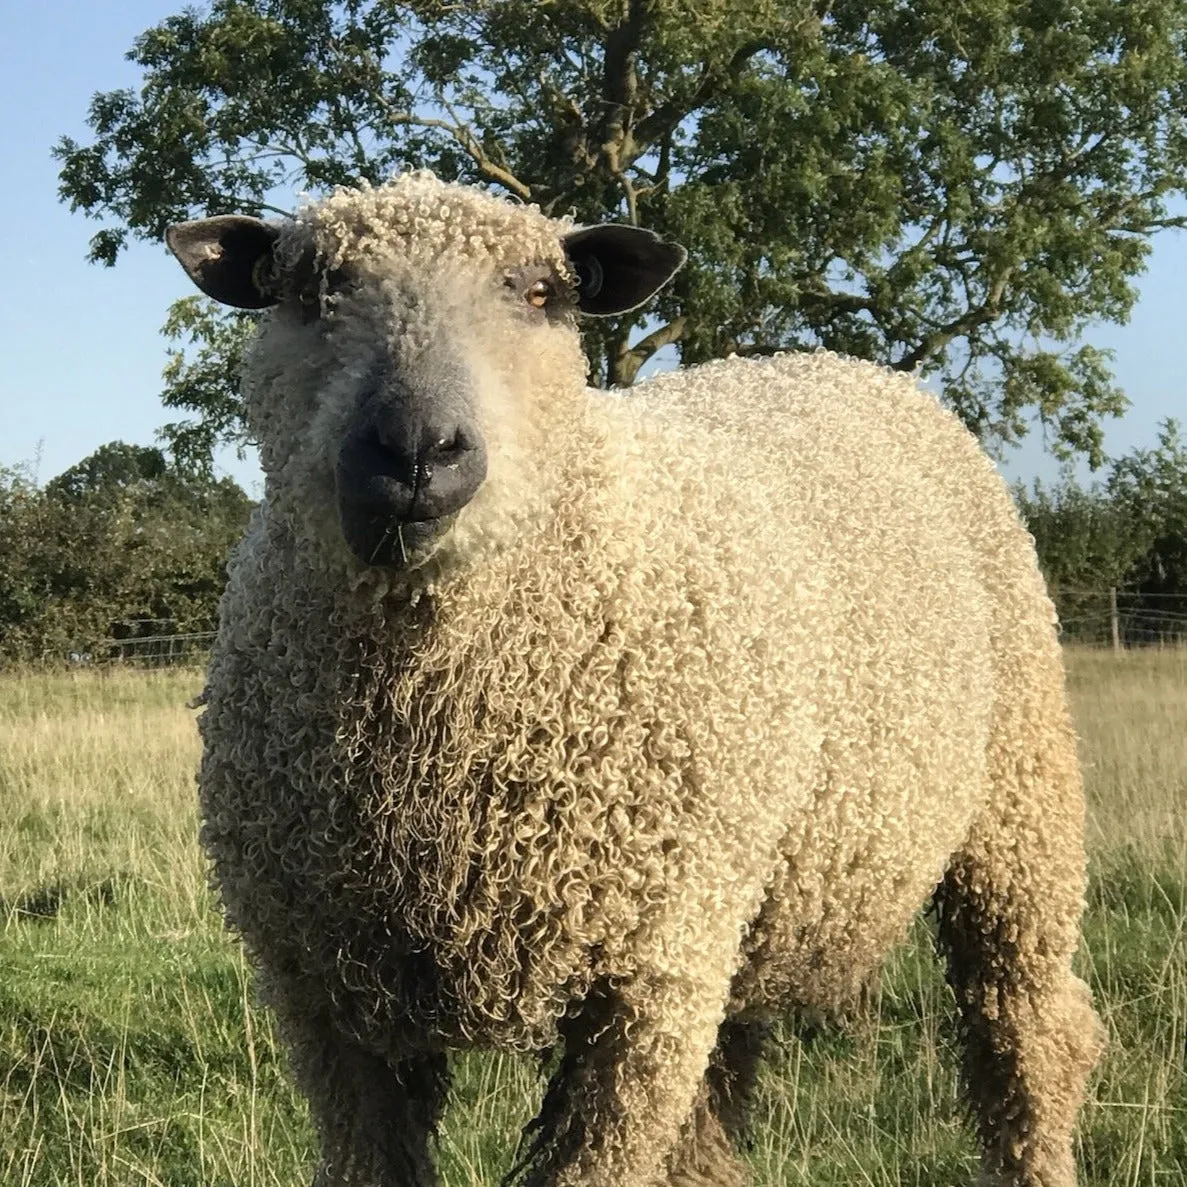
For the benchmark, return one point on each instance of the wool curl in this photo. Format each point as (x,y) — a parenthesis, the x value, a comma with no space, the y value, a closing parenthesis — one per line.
(711,688)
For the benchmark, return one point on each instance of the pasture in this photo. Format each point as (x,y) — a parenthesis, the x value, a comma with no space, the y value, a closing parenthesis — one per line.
(131,1052)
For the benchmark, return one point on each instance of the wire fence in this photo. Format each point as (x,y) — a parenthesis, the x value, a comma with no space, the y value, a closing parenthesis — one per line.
(1088,616)
(144,643)
(1121,618)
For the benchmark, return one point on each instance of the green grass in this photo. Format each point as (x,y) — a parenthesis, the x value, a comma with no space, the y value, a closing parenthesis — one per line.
(131,1053)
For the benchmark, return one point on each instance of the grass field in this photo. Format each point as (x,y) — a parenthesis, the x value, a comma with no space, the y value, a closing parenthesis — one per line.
(130,1052)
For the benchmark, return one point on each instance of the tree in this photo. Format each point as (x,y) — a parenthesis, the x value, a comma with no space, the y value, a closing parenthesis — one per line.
(1085,539)
(1150,486)
(1129,533)
(205,381)
(109,472)
(120,545)
(21,592)
(959,188)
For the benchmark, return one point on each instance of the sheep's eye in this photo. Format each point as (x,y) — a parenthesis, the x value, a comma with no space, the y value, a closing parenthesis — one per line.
(532,284)
(309,292)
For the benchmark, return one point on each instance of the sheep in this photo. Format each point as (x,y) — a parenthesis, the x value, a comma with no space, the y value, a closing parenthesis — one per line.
(543,719)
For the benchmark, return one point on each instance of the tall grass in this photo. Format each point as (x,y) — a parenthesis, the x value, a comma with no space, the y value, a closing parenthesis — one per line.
(131,1053)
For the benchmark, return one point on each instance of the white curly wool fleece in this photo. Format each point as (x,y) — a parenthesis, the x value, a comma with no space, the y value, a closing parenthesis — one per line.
(670,720)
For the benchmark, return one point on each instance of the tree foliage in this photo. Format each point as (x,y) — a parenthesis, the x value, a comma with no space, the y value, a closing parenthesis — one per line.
(204,380)
(109,473)
(1129,532)
(1149,486)
(1085,539)
(121,545)
(960,188)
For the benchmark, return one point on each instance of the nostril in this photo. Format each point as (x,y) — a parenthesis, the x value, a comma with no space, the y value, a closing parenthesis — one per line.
(427,447)
(447,449)
(391,439)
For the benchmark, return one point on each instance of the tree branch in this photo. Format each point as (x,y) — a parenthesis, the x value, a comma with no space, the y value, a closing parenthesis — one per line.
(835,303)
(626,366)
(665,118)
(620,85)
(988,311)
(469,143)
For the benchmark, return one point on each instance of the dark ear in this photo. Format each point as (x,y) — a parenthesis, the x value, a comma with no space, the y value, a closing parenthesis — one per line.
(619,267)
(228,257)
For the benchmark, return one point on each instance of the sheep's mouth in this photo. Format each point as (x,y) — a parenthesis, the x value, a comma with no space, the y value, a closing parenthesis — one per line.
(378,539)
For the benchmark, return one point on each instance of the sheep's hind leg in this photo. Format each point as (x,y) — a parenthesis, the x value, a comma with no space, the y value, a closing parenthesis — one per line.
(1008,912)
(617,1109)
(374,1118)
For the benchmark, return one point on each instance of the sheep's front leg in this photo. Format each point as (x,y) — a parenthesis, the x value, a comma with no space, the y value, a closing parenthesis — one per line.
(375,1117)
(377,1120)
(633,1065)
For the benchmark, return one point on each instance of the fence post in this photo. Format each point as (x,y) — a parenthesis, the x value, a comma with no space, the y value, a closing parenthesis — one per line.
(1113,619)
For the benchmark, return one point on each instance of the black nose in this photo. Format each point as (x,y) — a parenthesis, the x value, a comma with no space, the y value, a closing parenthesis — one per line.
(426,470)
(397,470)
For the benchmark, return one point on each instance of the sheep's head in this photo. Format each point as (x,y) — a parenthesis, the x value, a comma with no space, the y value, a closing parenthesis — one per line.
(419,353)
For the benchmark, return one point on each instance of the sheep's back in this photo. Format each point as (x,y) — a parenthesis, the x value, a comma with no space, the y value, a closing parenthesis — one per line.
(934,611)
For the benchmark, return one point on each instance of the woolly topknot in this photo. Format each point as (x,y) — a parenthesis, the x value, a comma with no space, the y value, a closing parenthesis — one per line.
(417,216)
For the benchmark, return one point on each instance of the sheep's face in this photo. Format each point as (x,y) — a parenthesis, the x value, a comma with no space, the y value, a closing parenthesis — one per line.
(411,383)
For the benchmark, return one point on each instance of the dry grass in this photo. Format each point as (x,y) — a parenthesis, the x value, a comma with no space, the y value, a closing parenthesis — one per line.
(130,1052)
(1131,711)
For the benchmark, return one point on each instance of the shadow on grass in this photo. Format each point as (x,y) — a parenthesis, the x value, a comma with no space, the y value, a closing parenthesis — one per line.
(47,902)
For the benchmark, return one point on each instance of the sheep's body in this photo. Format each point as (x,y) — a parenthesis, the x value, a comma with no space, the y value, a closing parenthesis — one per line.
(690,746)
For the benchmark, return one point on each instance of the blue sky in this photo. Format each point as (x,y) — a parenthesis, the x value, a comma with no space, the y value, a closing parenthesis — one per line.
(80,344)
